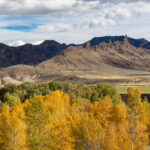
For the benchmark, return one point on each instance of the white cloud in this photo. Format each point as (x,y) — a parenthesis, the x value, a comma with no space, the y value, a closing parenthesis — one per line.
(58,27)
(22,7)
(111,14)
(19,7)
(20,43)
(16,43)
(103,22)
(36,42)
(69,20)
(122,13)
(142,7)
(123,1)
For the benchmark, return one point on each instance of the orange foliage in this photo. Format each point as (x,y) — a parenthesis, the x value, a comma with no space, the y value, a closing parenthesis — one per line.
(52,122)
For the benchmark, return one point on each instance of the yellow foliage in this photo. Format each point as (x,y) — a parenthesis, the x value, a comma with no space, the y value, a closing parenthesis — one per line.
(139,137)
(58,135)
(51,122)
(12,131)
(119,113)
(86,131)
(57,102)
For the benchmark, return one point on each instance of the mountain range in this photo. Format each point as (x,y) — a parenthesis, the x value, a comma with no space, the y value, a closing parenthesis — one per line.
(33,54)
(90,61)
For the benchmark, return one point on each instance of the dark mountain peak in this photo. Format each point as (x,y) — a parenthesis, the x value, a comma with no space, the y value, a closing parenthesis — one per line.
(144,40)
(2,45)
(97,40)
(50,42)
(142,43)
(29,54)
(25,46)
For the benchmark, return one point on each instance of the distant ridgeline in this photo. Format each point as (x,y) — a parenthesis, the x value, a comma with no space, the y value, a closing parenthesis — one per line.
(33,54)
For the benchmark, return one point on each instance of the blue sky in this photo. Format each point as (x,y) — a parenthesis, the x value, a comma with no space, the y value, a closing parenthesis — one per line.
(72,21)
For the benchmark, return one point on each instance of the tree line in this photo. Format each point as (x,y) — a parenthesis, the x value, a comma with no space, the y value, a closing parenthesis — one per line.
(11,92)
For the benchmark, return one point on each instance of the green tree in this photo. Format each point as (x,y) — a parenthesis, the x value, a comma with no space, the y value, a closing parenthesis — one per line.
(36,119)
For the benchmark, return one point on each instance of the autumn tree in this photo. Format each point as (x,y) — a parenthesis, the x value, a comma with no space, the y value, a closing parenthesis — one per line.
(58,130)
(46,122)
(12,129)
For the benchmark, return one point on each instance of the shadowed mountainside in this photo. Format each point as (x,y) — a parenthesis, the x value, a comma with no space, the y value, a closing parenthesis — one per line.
(29,54)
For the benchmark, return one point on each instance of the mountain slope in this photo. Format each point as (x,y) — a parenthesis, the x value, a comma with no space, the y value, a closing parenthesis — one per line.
(29,54)
(111,61)
(116,54)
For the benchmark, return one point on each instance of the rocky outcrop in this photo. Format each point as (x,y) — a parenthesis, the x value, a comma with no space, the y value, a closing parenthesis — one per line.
(88,45)
(117,54)
(125,40)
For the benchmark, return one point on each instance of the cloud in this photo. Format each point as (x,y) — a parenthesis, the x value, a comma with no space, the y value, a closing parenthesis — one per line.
(20,43)
(101,22)
(61,27)
(16,43)
(36,42)
(122,1)
(111,15)
(34,7)
(121,13)
(71,20)
(20,7)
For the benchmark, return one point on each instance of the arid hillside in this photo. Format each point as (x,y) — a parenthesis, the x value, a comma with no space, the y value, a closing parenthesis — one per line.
(109,61)
(87,57)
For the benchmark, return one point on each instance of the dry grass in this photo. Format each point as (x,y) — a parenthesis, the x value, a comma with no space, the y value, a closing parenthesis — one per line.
(116,76)
(143,89)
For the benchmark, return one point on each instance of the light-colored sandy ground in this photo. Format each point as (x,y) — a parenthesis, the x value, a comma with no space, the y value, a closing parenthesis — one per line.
(120,77)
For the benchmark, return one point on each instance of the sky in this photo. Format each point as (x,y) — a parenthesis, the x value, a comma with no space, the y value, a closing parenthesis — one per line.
(72,21)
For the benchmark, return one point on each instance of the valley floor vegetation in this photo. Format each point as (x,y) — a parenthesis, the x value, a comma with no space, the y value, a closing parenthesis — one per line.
(65,116)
